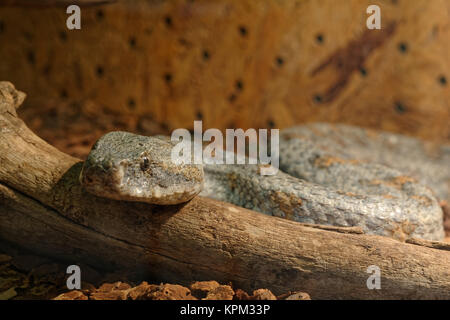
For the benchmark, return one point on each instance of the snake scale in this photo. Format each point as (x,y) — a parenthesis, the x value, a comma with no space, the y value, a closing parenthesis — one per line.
(341,175)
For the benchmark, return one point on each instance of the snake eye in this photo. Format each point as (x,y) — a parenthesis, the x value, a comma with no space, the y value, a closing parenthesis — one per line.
(145,164)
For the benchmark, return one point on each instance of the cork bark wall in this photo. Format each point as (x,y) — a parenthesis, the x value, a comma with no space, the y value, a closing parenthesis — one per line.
(240,63)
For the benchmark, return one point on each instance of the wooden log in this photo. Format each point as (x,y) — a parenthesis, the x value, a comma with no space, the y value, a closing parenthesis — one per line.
(44,208)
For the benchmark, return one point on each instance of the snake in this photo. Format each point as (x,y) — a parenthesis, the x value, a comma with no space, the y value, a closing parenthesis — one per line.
(386,183)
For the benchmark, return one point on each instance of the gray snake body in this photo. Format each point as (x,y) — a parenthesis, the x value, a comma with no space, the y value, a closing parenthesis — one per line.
(319,181)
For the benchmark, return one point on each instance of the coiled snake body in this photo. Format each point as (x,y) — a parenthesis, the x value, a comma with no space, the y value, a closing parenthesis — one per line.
(330,174)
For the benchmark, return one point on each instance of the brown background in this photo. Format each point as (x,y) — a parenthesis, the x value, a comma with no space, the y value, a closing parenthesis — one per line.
(239,63)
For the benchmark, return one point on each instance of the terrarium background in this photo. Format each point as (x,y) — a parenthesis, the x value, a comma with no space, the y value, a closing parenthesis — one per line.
(237,63)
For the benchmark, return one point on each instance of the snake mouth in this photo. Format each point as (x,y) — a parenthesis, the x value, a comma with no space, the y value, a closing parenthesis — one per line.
(156,185)
(160,195)
(128,182)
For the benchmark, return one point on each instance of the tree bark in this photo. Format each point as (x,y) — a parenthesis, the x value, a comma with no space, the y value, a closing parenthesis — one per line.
(44,208)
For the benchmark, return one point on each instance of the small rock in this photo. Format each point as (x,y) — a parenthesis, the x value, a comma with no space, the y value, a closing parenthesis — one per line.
(112,295)
(200,289)
(299,296)
(72,295)
(111,291)
(8,294)
(170,292)
(220,293)
(141,291)
(241,295)
(263,294)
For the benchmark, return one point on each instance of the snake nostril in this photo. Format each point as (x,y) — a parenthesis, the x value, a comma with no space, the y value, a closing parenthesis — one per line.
(145,164)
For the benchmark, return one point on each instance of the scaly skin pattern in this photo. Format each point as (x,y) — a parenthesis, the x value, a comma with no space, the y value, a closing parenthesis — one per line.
(427,162)
(316,187)
(126,166)
(378,199)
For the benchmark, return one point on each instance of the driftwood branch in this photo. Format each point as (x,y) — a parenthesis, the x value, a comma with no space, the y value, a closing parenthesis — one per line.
(44,208)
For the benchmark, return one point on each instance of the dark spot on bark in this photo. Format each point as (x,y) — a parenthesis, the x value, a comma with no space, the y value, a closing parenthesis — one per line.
(47,69)
(168,21)
(443,80)
(184,42)
(100,14)
(320,38)
(270,123)
(279,61)
(64,94)
(165,126)
(318,98)
(243,31)
(205,55)
(199,115)
(131,103)
(132,42)
(99,70)
(232,97)
(363,71)
(31,57)
(168,77)
(63,36)
(239,85)
(400,107)
(403,47)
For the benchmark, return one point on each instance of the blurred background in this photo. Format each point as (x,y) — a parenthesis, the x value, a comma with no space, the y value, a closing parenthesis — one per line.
(150,66)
